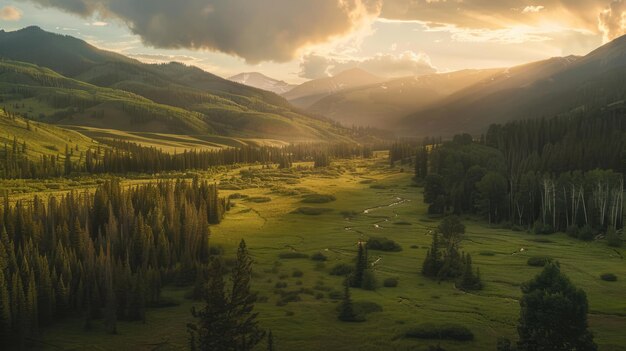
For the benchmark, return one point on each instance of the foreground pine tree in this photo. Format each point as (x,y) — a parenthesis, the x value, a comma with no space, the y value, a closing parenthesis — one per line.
(247,333)
(553,314)
(227,322)
(346,309)
(270,342)
(214,328)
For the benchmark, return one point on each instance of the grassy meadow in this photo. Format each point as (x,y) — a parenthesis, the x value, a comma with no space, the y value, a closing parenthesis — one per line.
(285,223)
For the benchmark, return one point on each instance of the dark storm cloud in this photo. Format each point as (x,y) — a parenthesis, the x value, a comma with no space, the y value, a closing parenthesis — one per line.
(256,30)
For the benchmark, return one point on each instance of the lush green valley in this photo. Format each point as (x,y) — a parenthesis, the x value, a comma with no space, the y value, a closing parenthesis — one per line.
(147,204)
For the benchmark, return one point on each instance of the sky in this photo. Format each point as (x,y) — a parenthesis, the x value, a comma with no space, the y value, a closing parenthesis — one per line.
(298,40)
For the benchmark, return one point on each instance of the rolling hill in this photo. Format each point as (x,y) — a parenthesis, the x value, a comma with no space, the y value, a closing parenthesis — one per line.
(541,89)
(41,138)
(261,81)
(307,94)
(384,104)
(205,103)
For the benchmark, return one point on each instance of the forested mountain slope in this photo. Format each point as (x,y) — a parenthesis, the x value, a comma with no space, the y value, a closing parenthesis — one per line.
(221,106)
(541,89)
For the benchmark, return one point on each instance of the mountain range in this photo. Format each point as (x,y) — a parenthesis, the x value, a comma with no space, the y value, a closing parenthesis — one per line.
(308,93)
(63,79)
(261,81)
(469,100)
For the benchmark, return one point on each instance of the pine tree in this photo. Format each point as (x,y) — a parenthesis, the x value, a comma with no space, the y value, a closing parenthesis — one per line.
(248,333)
(346,309)
(214,328)
(270,342)
(470,280)
(553,314)
(5,310)
(433,263)
(361,265)
(110,308)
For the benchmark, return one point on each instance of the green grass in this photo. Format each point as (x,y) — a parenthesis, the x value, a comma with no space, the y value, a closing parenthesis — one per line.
(42,138)
(309,321)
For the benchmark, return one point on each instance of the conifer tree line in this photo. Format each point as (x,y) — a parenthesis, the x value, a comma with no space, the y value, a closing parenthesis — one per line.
(121,157)
(559,174)
(404,151)
(102,256)
(445,260)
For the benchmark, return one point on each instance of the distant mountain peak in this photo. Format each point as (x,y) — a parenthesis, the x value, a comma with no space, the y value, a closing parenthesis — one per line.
(261,81)
(31,29)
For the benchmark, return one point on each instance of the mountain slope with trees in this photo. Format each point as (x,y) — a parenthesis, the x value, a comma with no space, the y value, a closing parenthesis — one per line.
(541,89)
(219,105)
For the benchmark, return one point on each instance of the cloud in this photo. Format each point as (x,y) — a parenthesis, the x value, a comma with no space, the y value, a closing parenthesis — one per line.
(10,13)
(612,20)
(407,63)
(533,9)
(513,35)
(159,58)
(256,30)
(590,16)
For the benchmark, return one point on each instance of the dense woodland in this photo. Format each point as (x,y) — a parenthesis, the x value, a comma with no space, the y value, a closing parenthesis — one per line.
(559,174)
(120,157)
(102,255)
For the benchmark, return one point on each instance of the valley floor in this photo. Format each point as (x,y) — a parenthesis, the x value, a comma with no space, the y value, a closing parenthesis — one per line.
(381,202)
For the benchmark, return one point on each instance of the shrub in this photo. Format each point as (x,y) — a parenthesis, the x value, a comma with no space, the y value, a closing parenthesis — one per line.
(335,295)
(312,211)
(280,285)
(342,269)
(363,308)
(349,214)
(586,233)
(390,282)
(609,277)
(259,199)
(440,332)
(289,296)
(318,199)
(572,231)
(612,238)
(297,273)
(383,244)
(318,256)
(292,255)
(543,228)
(538,261)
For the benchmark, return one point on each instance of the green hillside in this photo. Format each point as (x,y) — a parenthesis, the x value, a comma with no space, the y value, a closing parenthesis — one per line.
(40,138)
(540,89)
(176,98)
(42,94)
